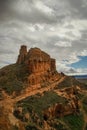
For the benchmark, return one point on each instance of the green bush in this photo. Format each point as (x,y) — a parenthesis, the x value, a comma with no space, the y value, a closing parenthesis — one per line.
(31,126)
(75,122)
(59,126)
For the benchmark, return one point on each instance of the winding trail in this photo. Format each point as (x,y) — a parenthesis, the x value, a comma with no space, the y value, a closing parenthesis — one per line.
(40,90)
(8,102)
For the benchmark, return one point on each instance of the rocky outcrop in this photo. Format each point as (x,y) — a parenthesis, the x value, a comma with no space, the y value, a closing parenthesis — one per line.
(59,109)
(39,65)
(22,54)
(36,60)
(34,74)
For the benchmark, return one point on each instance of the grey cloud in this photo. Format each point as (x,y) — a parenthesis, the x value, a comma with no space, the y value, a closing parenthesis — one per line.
(71,71)
(4,51)
(5,9)
(4,5)
(76,3)
(4,62)
(10,10)
(15,23)
(79,6)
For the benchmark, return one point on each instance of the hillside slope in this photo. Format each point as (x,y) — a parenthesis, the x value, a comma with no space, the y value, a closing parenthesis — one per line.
(34,96)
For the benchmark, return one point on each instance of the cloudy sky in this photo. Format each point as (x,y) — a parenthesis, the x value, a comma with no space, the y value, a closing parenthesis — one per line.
(59,27)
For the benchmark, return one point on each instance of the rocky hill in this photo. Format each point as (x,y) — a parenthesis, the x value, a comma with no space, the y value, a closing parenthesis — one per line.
(34,68)
(34,96)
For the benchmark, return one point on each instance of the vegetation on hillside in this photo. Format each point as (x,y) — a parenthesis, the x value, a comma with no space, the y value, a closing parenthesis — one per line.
(38,103)
(35,105)
(74,122)
(69,82)
(83,81)
(12,78)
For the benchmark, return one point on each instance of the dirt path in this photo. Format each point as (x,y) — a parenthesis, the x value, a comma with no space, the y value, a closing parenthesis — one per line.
(40,90)
(8,103)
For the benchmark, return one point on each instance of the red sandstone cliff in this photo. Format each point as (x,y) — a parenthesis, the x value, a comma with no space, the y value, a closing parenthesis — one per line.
(39,65)
(22,54)
(36,60)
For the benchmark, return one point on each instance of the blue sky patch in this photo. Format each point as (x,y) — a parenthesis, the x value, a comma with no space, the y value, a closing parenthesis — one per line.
(80,64)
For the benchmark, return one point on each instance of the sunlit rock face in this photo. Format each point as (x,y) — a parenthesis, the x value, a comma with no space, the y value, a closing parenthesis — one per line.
(22,55)
(39,64)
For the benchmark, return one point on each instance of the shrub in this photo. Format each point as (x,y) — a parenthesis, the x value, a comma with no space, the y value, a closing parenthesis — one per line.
(75,122)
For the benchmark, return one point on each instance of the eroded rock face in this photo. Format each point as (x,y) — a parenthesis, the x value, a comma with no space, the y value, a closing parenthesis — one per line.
(39,65)
(36,60)
(22,54)
(60,109)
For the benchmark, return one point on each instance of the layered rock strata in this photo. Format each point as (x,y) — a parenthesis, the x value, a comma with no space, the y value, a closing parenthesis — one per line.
(39,65)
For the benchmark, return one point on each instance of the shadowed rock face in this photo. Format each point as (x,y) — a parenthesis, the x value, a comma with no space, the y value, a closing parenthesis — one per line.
(38,64)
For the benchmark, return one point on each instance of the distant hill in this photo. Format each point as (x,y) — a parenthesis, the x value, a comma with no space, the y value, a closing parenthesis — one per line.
(80,76)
